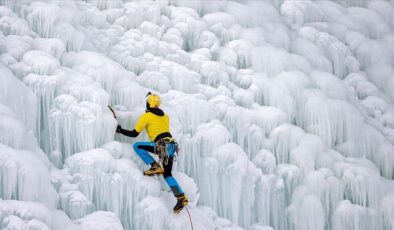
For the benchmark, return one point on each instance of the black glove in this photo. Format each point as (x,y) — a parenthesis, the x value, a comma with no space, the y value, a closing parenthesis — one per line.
(118,128)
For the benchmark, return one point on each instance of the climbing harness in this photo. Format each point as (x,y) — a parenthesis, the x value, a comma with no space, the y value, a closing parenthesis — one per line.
(162,146)
(190,218)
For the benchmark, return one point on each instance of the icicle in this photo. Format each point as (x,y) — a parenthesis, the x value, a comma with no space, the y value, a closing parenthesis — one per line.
(243,78)
(236,119)
(75,204)
(147,214)
(179,107)
(207,138)
(375,106)
(325,186)
(285,138)
(45,89)
(265,160)
(154,213)
(180,77)
(16,46)
(361,180)
(254,141)
(261,208)
(373,23)
(262,61)
(305,154)
(155,80)
(53,46)
(151,29)
(77,126)
(100,219)
(109,184)
(233,170)
(313,53)
(13,133)
(380,74)
(387,211)
(242,48)
(72,39)
(337,52)
(314,115)
(18,98)
(261,88)
(278,214)
(306,211)
(351,216)
(191,29)
(173,35)
(299,13)
(268,118)
(83,88)
(291,176)
(25,177)
(260,227)
(200,7)
(42,18)
(384,159)
(338,55)
(227,56)
(213,74)
(41,62)
(97,66)
(243,97)
(287,179)
(105,4)
(133,16)
(31,215)
(11,25)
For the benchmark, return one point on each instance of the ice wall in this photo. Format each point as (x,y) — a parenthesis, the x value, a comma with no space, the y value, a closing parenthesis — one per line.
(283,111)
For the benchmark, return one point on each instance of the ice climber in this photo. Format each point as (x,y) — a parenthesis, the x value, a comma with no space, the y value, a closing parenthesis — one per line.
(157,126)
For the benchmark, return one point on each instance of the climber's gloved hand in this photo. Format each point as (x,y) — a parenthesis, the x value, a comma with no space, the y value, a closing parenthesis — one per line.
(118,128)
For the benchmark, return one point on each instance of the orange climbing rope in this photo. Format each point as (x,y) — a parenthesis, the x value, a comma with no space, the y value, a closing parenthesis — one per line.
(190,218)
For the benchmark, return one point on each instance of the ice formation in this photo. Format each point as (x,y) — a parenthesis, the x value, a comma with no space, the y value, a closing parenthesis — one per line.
(283,111)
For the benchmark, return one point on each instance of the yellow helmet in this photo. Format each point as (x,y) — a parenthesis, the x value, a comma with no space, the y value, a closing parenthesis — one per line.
(152,100)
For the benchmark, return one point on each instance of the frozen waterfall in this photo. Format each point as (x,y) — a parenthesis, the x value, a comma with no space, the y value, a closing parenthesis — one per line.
(283,110)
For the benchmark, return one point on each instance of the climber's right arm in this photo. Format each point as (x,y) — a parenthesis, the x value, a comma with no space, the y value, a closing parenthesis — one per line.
(129,133)
(139,127)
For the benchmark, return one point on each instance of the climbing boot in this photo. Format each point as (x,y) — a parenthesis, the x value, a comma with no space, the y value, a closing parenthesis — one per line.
(182,201)
(155,169)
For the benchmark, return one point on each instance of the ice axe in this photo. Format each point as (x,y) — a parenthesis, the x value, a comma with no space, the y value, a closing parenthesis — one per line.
(113,112)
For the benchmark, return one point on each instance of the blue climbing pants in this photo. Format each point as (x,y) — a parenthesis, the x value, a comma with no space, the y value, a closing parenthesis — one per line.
(143,149)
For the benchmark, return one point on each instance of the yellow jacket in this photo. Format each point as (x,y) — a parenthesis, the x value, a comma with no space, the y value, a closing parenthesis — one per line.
(154,124)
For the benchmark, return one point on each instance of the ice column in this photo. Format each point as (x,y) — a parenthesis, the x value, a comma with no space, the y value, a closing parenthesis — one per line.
(111,182)
(23,176)
(77,126)
(17,214)
(207,138)
(306,211)
(351,216)
(45,88)
(42,18)
(387,211)
(234,183)
(16,96)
